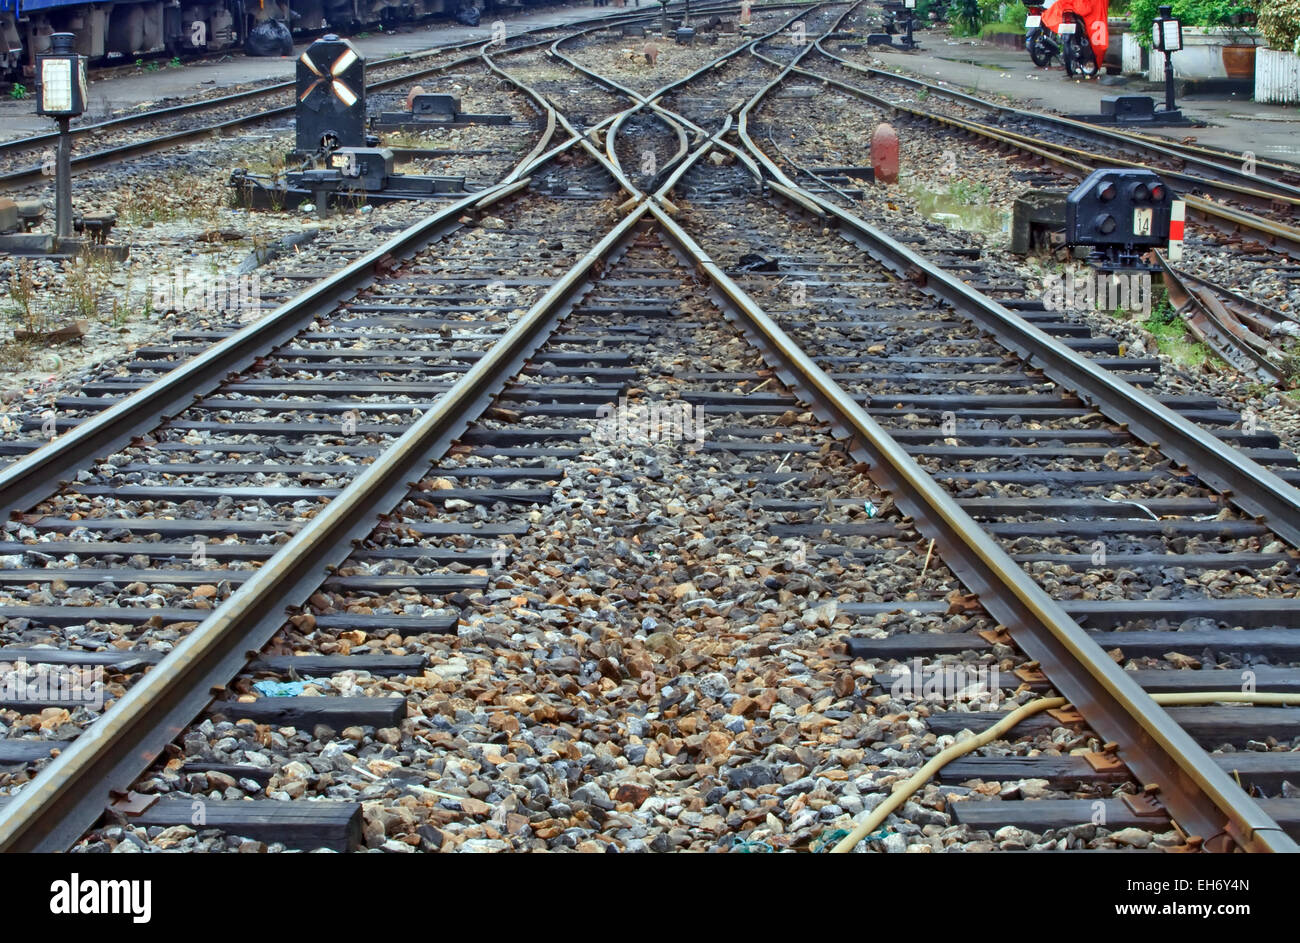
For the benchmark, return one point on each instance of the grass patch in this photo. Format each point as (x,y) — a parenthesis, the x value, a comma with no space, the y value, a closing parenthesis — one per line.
(970,192)
(20,305)
(150,202)
(1172,337)
(410,139)
(1290,367)
(1004,29)
(175,195)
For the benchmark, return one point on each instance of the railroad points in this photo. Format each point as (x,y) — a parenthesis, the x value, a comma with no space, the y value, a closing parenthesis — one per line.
(672,484)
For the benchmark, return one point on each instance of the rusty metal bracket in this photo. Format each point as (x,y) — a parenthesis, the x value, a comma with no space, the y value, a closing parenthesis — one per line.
(131,803)
(1104,762)
(996,636)
(1144,805)
(959,603)
(1067,717)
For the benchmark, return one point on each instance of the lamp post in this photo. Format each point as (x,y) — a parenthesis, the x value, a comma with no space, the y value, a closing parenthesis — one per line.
(61,94)
(1167,34)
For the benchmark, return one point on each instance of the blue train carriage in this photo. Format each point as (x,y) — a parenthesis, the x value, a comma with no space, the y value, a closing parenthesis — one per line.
(120,29)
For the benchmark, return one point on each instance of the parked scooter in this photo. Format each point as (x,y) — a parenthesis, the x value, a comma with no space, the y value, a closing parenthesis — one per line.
(1040,41)
(1073,30)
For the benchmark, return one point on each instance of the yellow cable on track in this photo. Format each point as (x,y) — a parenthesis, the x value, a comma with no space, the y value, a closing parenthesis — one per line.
(906,790)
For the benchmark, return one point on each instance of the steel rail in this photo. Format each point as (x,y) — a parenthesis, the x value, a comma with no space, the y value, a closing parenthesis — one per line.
(39,473)
(1221,218)
(1200,796)
(34,141)
(35,173)
(68,795)
(29,478)
(677,123)
(1250,486)
(1173,150)
(1217,328)
(575,137)
(52,811)
(110,155)
(653,98)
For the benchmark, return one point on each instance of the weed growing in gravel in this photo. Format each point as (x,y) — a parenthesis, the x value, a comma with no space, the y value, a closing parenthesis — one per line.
(1170,333)
(970,192)
(82,287)
(149,203)
(23,294)
(18,91)
(1290,367)
(411,139)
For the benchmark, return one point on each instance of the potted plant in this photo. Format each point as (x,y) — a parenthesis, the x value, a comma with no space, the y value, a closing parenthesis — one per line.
(1218,41)
(1277,71)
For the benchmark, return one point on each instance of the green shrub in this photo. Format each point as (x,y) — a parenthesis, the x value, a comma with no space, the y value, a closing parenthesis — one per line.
(1188,12)
(1280,22)
(926,10)
(1011,20)
(969,17)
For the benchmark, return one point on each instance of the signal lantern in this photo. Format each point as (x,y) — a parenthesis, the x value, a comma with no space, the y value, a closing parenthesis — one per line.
(1121,214)
(331,97)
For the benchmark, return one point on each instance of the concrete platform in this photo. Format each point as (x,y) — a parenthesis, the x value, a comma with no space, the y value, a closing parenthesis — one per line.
(1235,122)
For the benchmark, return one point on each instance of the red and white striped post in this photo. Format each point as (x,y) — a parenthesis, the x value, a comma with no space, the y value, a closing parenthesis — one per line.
(1177,224)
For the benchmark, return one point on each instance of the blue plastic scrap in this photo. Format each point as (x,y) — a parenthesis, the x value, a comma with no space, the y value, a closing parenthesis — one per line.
(279,688)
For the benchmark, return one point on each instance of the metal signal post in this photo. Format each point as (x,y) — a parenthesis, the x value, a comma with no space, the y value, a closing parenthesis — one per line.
(1167,34)
(61,94)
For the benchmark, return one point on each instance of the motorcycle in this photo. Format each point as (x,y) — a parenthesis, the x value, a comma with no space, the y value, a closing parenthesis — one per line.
(1040,43)
(1061,29)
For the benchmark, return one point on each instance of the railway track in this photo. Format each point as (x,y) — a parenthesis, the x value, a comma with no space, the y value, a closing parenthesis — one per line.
(1244,205)
(656,522)
(190,121)
(1235,211)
